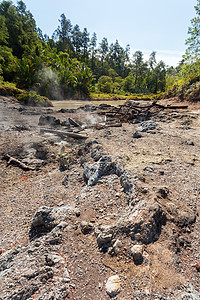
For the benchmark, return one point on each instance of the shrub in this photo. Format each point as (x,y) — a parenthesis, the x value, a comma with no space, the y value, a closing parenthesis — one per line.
(33,99)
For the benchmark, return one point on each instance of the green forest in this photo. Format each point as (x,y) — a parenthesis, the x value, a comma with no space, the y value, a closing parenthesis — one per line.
(72,64)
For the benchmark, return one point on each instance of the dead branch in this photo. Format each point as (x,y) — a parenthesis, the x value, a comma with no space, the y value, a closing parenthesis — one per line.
(63,133)
(128,111)
(100,126)
(74,123)
(13,161)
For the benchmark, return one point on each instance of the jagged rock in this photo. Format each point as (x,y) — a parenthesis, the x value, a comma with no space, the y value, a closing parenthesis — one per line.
(117,246)
(141,223)
(137,135)
(146,125)
(97,152)
(47,218)
(127,181)
(104,238)
(190,294)
(93,172)
(113,285)
(137,253)
(163,192)
(48,120)
(86,227)
(185,218)
(43,221)
(29,271)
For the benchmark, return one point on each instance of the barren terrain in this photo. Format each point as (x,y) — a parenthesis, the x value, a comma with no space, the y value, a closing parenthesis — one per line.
(73,209)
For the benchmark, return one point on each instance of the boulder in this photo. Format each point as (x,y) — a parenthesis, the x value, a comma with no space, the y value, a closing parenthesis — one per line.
(141,223)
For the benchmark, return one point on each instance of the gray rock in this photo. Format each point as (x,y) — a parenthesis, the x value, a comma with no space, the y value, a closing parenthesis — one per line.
(48,120)
(47,218)
(86,227)
(127,182)
(146,126)
(142,223)
(190,294)
(30,270)
(42,222)
(97,152)
(137,135)
(117,246)
(104,238)
(137,253)
(92,173)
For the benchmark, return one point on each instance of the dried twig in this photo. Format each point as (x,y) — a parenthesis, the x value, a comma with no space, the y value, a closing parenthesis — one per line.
(14,161)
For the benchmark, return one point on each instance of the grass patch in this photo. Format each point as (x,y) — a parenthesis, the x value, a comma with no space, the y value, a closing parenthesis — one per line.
(102,96)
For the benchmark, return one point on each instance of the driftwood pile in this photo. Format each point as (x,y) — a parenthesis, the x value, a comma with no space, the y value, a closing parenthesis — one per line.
(130,111)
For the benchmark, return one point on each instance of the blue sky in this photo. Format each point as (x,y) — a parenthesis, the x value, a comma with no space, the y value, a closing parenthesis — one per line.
(147,25)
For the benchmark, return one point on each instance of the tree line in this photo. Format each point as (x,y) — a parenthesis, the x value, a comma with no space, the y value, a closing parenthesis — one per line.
(71,62)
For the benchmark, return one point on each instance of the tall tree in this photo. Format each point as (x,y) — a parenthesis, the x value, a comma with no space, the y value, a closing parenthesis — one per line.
(63,33)
(85,43)
(4,31)
(103,50)
(76,39)
(193,42)
(21,7)
(93,44)
(152,60)
(156,77)
(20,25)
(139,69)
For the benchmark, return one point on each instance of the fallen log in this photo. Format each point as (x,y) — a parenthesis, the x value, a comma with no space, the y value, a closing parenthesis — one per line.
(100,126)
(176,107)
(63,133)
(13,161)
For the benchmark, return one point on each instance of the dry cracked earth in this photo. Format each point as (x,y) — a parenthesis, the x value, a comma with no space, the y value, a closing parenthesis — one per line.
(111,216)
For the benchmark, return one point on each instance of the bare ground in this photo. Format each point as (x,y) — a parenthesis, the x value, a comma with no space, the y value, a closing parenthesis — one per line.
(147,193)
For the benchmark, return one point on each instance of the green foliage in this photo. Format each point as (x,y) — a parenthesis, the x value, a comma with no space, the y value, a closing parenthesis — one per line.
(9,89)
(19,26)
(7,63)
(128,83)
(33,99)
(27,98)
(185,89)
(4,31)
(184,82)
(123,96)
(193,42)
(105,84)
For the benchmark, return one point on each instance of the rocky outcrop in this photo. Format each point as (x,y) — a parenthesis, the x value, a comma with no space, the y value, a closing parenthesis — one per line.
(47,218)
(142,223)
